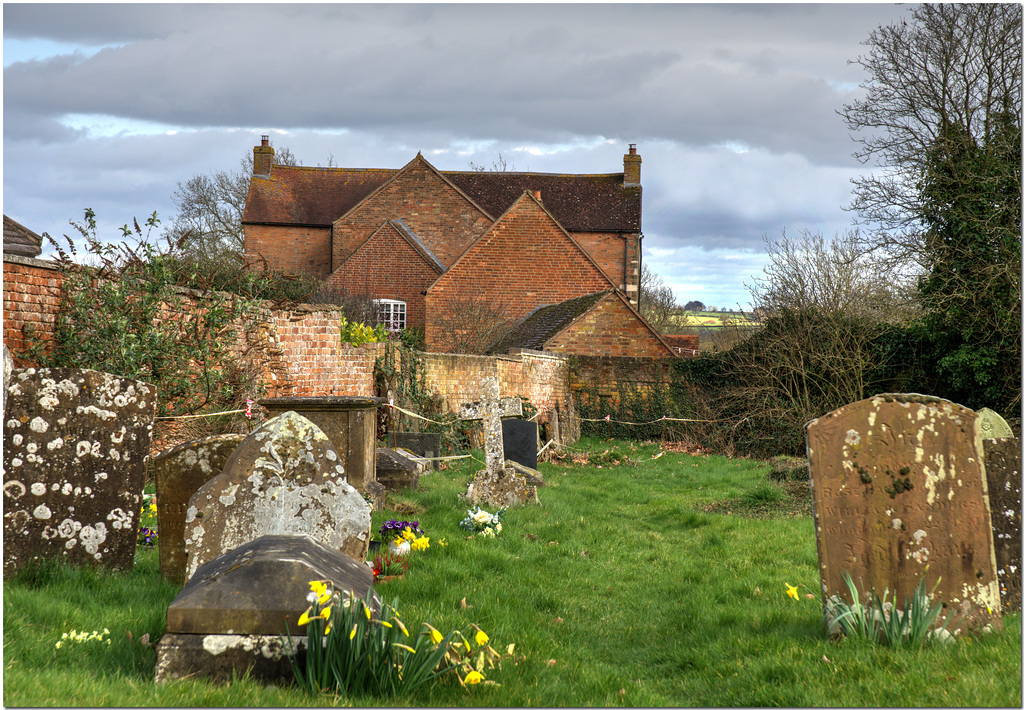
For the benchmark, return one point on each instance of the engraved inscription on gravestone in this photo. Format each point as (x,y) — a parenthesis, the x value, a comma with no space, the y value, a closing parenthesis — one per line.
(899,494)
(75,443)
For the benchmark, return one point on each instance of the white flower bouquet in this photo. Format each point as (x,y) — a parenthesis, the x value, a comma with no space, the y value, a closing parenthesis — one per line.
(480,521)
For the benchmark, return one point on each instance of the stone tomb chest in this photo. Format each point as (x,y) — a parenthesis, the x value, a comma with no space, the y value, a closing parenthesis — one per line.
(349,422)
(899,493)
(231,613)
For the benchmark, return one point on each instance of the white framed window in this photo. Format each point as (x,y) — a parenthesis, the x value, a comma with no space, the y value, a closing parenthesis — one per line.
(391,313)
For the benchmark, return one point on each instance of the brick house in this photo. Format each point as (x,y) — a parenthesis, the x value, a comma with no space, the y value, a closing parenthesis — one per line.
(423,241)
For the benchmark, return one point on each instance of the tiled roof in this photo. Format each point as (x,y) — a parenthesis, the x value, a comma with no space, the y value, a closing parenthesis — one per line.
(319,196)
(20,240)
(309,196)
(544,323)
(580,203)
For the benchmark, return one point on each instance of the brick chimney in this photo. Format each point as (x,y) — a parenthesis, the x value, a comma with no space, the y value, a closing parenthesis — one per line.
(263,157)
(631,168)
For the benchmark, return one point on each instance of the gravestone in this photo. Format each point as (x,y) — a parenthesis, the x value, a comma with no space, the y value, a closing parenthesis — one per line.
(8,371)
(179,473)
(75,443)
(397,469)
(228,618)
(519,441)
(498,484)
(349,422)
(285,478)
(899,495)
(424,444)
(992,425)
(1002,469)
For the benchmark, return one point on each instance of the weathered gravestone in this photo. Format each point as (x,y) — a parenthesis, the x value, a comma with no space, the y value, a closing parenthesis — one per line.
(1002,469)
(397,469)
(285,478)
(424,444)
(8,371)
(75,443)
(899,495)
(498,484)
(992,425)
(519,441)
(179,473)
(228,618)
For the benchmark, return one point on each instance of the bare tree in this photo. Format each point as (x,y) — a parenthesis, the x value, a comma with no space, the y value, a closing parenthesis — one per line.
(208,225)
(469,324)
(499,166)
(951,64)
(656,302)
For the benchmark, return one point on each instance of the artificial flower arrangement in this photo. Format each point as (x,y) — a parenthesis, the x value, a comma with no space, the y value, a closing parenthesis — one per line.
(480,521)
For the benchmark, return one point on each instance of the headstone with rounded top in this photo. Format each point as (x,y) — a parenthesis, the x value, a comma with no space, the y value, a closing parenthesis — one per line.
(179,472)
(992,425)
(75,444)
(285,478)
(899,493)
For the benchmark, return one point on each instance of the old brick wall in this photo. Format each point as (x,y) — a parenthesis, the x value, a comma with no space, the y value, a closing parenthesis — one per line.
(387,266)
(618,254)
(31,292)
(433,210)
(610,329)
(296,250)
(604,380)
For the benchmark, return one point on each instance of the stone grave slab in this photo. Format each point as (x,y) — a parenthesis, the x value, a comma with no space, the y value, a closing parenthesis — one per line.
(424,444)
(899,494)
(228,617)
(75,443)
(179,472)
(1002,468)
(285,478)
(397,469)
(519,441)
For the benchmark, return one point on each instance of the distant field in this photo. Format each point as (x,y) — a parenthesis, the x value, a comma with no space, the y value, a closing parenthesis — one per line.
(709,319)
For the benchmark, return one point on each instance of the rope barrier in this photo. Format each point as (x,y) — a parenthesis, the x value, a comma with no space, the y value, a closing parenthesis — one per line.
(653,421)
(211,414)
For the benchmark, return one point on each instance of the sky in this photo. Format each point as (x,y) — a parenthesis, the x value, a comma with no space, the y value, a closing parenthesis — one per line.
(733,108)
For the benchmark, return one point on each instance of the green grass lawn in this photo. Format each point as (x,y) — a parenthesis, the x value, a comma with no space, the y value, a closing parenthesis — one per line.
(638,581)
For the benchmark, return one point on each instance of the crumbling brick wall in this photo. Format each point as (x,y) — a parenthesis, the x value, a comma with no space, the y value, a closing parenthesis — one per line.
(31,294)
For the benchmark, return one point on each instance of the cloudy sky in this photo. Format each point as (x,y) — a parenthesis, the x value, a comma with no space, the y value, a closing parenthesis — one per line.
(732,106)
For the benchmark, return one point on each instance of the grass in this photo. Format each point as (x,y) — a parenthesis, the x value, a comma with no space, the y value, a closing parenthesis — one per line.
(638,581)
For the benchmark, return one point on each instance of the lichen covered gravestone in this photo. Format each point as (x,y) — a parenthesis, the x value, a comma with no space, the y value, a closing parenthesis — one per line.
(899,495)
(285,478)
(1002,469)
(228,619)
(75,443)
(179,472)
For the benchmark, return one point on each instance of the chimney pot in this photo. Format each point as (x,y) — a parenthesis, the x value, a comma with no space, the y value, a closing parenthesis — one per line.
(264,140)
(263,157)
(632,148)
(631,167)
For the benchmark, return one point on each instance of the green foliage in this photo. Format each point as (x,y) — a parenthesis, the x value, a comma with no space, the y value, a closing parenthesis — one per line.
(971,197)
(358,333)
(399,374)
(122,315)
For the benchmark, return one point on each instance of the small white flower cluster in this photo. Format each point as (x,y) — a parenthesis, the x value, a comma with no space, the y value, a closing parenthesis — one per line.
(83,637)
(480,521)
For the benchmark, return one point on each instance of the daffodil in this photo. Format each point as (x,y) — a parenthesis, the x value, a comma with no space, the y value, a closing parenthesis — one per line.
(326,613)
(386,625)
(401,626)
(353,634)
(481,638)
(792,591)
(421,543)
(408,534)
(435,635)
(367,610)
(474,677)
(321,591)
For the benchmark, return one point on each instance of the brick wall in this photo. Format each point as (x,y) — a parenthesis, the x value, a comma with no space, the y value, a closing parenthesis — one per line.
(31,292)
(524,261)
(296,250)
(610,329)
(617,255)
(605,378)
(433,210)
(407,274)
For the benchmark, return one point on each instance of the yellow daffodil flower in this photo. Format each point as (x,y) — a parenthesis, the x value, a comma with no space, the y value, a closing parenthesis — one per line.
(304,619)
(353,634)
(481,638)
(435,635)
(792,591)
(420,543)
(401,626)
(367,610)
(386,625)
(410,649)
(408,534)
(326,613)
(474,677)
(443,542)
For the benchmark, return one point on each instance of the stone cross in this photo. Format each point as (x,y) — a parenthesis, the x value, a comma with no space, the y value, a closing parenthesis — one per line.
(491,409)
